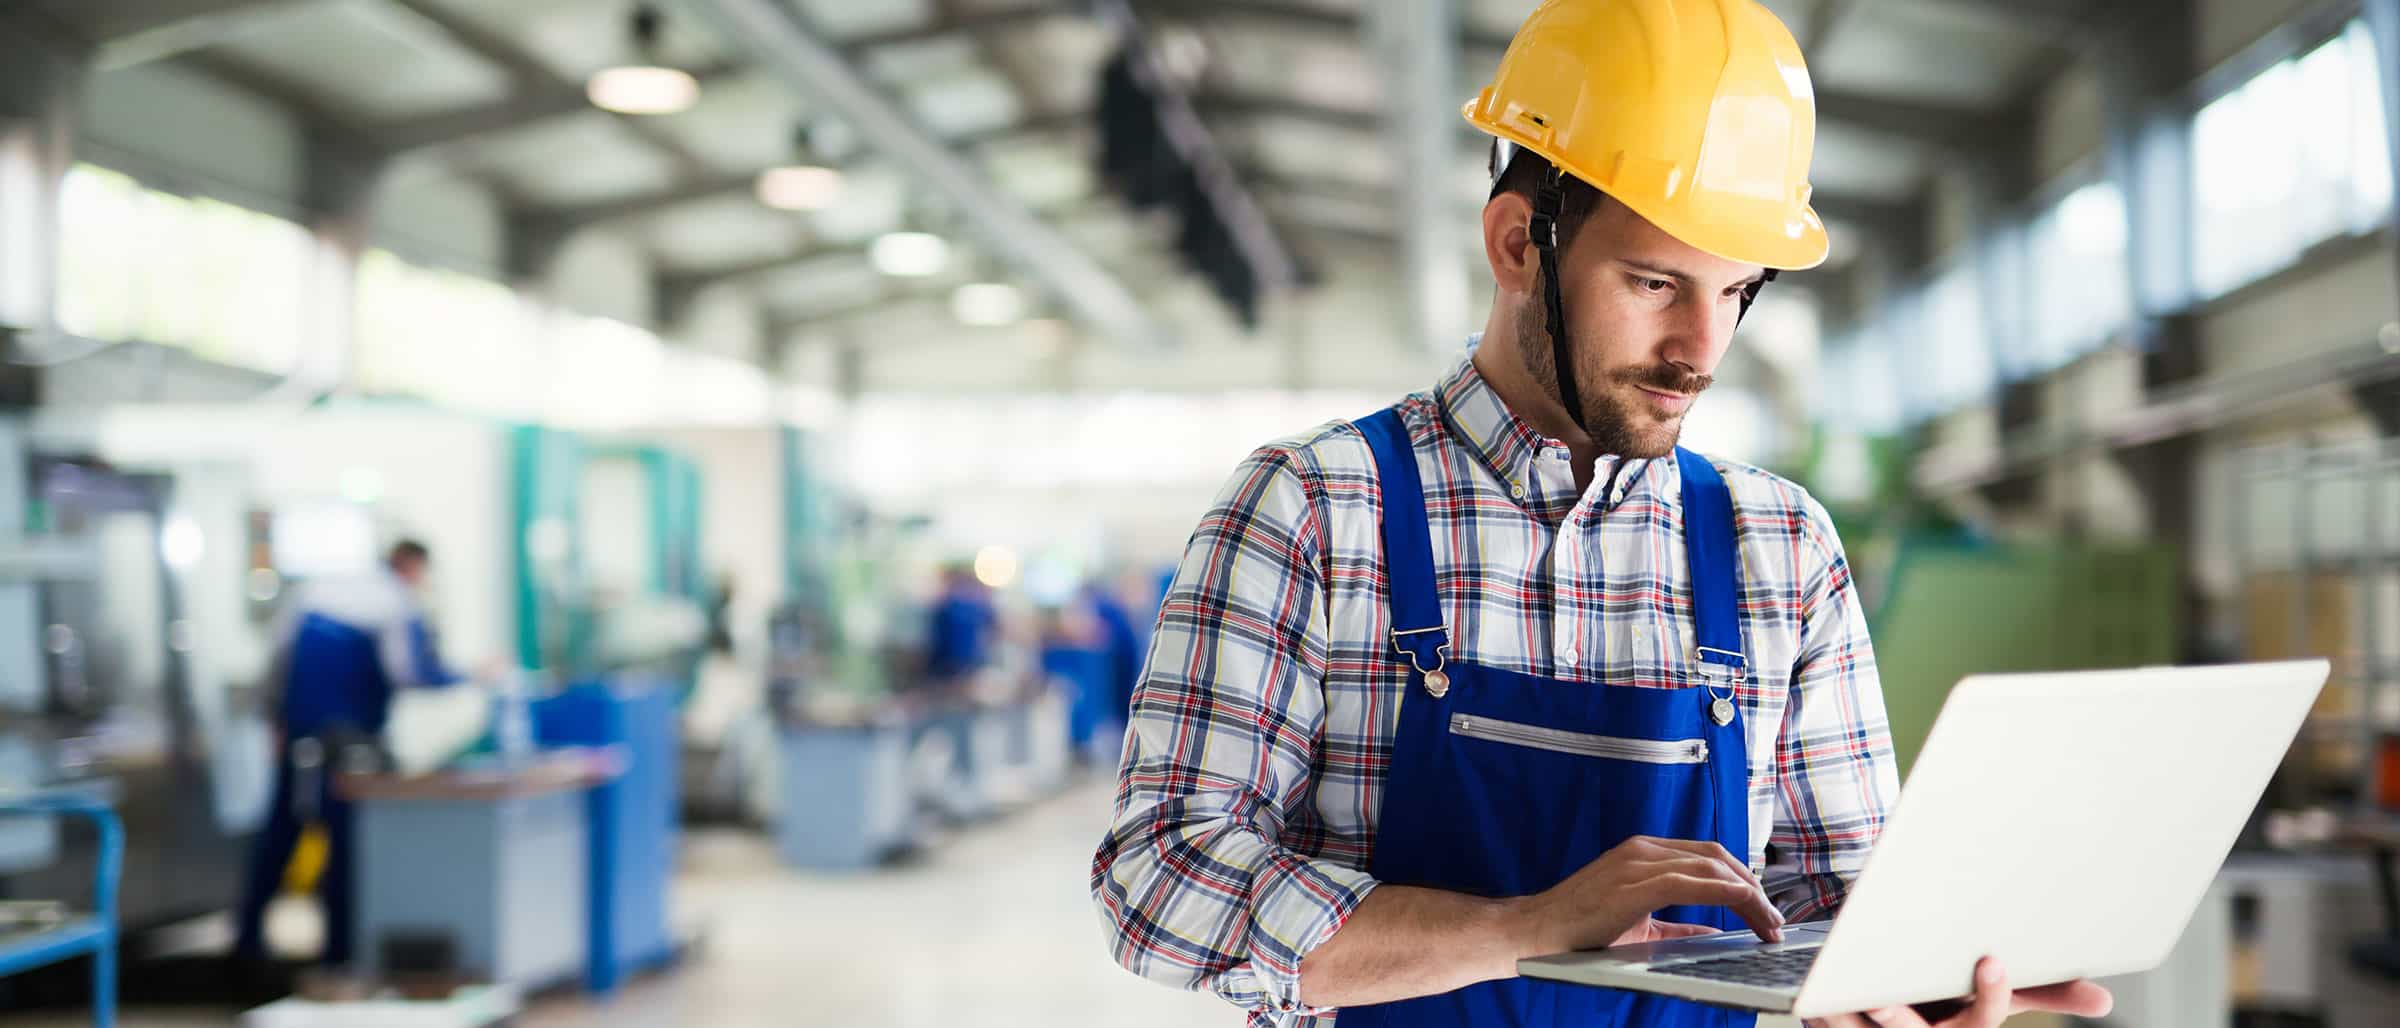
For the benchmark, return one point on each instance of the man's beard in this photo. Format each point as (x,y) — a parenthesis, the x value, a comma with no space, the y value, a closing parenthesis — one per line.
(1617,418)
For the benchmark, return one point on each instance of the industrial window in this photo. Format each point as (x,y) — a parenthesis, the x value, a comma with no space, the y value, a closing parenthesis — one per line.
(453,339)
(2287,160)
(1947,347)
(1858,390)
(2082,290)
(136,263)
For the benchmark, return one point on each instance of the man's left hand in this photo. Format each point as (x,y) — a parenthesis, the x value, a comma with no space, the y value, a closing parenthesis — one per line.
(1993,1003)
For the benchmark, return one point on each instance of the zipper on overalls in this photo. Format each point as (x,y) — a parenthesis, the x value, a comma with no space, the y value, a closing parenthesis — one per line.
(1582,744)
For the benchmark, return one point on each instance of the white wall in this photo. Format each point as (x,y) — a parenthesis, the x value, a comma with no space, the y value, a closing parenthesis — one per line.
(443,479)
(741,510)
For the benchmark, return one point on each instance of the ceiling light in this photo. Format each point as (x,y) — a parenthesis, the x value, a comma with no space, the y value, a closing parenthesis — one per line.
(644,85)
(910,254)
(987,304)
(799,188)
(642,89)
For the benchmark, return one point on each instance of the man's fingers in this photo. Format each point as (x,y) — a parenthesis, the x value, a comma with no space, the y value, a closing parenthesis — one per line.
(1678,930)
(1679,889)
(1895,1017)
(1992,998)
(2079,998)
(1752,902)
(1711,851)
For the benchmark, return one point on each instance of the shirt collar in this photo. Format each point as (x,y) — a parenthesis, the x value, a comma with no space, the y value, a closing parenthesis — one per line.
(1510,446)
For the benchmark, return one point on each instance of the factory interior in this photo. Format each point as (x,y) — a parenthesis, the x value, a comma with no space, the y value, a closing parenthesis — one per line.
(595,513)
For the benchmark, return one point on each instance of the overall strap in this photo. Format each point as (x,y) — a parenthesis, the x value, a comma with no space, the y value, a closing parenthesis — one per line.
(1708,542)
(1417,626)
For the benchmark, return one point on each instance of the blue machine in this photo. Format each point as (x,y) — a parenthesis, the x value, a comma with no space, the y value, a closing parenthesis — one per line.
(633,818)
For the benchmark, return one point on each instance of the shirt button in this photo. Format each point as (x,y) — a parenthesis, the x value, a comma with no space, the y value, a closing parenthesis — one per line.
(1516,490)
(1570,655)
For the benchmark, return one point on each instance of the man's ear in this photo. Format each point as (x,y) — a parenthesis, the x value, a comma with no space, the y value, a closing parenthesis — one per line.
(1508,245)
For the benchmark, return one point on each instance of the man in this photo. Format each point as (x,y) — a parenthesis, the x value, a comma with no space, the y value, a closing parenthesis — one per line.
(343,649)
(959,628)
(1501,671)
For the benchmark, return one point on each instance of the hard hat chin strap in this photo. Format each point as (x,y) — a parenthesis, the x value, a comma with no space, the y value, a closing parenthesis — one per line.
(1549,202)
(1549,199)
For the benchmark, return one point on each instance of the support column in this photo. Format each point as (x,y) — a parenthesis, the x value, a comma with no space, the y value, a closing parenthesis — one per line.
(2146,66)
(338,196)
(1419,39)
(2383,24)
(41,81)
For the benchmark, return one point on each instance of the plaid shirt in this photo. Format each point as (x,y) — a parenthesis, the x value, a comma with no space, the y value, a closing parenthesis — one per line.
(1263,725)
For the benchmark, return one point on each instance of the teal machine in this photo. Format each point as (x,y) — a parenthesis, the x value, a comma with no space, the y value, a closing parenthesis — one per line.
(613,696)
(560,623)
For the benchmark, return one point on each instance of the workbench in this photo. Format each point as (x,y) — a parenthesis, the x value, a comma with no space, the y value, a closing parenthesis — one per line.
(492,862)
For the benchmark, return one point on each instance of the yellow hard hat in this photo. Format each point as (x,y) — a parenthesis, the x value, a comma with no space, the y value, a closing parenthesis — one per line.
(1697,114)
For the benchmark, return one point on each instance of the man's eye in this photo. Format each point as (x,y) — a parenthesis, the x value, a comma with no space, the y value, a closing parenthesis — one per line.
(1655,285)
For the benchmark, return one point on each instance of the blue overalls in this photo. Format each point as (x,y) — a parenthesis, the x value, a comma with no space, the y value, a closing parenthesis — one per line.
(1505,784)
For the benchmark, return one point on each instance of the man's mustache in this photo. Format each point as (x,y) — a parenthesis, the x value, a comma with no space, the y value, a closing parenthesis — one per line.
(1666,378)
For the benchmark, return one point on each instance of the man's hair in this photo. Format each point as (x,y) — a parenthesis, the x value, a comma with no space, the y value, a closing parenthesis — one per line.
(408,551)
(1524,175)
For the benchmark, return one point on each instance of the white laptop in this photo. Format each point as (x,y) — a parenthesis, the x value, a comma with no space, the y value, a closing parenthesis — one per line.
(2066,824)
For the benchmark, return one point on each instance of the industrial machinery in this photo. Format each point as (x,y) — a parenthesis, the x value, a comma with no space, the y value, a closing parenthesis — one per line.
(97,690)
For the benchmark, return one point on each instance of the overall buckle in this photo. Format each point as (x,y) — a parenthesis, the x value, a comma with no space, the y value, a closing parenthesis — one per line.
(1437,682)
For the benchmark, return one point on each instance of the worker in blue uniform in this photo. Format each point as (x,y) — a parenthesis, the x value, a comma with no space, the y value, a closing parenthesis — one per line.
(344,648)
(963,621)
(1075,654)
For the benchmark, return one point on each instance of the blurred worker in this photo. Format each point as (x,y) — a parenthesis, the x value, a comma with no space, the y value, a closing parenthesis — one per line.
(960,628)
(343,648)
(1075,652)
(1301,827)
(1123,640)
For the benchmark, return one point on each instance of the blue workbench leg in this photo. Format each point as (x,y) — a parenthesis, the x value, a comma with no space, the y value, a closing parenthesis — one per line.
(104,984)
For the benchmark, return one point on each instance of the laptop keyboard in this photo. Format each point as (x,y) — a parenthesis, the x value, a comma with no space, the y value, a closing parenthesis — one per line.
(1771,968)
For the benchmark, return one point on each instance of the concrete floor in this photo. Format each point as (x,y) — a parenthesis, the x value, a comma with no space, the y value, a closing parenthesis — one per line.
(993,929)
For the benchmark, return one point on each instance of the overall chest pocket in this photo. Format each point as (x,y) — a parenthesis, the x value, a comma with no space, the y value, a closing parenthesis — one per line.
(1582,744)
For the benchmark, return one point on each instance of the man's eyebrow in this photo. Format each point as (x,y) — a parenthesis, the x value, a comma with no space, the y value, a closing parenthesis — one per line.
(1682,278)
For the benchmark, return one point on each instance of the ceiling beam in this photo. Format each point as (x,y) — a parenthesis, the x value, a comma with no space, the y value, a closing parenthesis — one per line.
(536,78)
(1824,16)
(171,27)
(1950,128)
(530,104)
(954,22)
(2042,14)
(693,280)
(720,185)
(766,31)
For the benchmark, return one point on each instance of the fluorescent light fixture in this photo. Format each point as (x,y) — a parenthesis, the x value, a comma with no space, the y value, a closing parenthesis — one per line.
(987,304)
(642,89)
(799,188)
(910,254)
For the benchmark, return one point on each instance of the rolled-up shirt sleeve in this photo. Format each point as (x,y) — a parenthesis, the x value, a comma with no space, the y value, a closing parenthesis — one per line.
(1193,882)
(1835,774)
